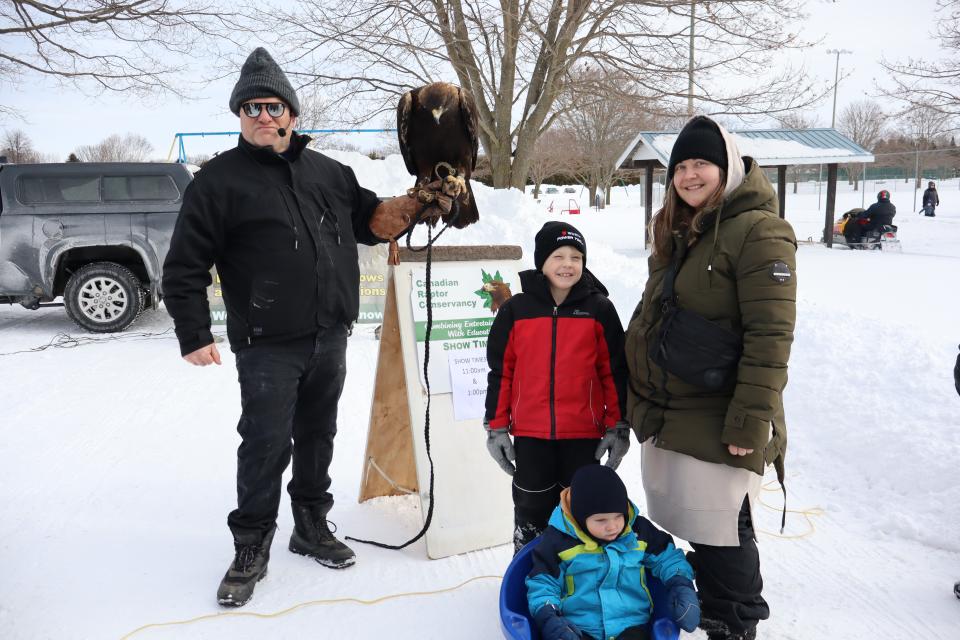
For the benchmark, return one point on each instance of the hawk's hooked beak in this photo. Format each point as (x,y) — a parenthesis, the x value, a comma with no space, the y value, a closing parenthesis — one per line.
(437,113)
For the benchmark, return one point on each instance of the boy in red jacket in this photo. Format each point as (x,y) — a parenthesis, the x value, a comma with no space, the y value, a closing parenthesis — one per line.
(557,379)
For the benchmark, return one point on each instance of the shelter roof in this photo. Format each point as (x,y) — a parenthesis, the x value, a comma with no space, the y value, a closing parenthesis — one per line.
(769,147)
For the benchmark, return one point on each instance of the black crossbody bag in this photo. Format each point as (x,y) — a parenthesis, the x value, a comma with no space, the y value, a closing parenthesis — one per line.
(696,350)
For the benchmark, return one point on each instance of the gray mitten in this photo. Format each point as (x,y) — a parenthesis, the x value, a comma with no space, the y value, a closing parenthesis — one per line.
(501,448)
(615,442)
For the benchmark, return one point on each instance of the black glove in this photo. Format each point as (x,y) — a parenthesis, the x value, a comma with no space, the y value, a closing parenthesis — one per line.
(956,374)
(554,626)
(684,604)
(615,442)
(501,448)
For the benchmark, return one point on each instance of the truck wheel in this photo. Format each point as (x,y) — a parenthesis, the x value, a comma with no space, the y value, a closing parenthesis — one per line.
(103,297)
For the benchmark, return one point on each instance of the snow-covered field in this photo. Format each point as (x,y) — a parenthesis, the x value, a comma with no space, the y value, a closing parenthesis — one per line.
(117,460)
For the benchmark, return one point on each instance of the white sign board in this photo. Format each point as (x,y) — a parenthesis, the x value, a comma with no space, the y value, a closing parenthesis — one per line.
(473,507)
(463,305)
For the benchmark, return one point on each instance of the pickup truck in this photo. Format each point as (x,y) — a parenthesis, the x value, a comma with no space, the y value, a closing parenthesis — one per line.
(94,233)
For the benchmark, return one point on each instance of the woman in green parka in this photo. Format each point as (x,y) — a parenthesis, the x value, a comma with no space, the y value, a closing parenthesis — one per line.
(709,411)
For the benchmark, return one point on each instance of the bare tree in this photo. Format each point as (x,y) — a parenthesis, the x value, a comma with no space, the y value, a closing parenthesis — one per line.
(108,44)
(797,120)
(927,128)
(602,115)
(932,84)
(115,148)
(516,57)
(18,148)
(314,114)
(863,122)
(552,153)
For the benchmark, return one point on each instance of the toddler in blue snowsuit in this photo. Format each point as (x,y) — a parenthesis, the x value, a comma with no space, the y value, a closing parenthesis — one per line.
(589,575)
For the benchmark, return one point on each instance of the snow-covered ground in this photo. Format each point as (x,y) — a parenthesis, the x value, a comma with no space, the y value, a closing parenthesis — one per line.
(117,460)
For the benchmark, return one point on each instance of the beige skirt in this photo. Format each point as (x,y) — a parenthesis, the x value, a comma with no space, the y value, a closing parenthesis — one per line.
(694,500)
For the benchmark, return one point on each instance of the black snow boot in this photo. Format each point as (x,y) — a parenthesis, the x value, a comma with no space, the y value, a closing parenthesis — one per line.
(248,568)
(312,537)
(720,630)
(523,533)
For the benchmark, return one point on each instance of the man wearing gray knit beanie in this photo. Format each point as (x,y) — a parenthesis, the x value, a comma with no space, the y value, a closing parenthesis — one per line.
(281,223)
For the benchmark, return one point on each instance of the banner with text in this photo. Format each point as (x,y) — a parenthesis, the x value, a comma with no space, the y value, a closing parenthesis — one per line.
(464,301)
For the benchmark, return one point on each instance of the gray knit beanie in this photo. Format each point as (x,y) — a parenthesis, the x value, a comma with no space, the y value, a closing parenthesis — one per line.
(262,77)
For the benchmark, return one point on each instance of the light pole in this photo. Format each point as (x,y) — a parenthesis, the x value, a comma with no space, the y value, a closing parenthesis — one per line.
(836,80)
(693,22)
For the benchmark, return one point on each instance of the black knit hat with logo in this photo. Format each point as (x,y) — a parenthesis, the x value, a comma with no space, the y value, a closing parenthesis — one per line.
(554,235)
(594,489)
(699,138)
(262,77)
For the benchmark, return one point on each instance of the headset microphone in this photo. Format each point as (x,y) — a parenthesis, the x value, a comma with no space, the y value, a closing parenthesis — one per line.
(282,132)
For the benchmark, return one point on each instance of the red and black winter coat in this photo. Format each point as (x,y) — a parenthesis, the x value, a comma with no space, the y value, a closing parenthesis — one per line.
(556,372)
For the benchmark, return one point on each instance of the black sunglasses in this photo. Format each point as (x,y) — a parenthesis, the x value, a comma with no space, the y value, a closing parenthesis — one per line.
(274,109)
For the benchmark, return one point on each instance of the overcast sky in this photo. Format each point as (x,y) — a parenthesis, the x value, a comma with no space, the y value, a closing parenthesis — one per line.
(58,121)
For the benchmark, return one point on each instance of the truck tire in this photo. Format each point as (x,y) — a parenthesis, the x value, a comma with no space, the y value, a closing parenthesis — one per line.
(103,297)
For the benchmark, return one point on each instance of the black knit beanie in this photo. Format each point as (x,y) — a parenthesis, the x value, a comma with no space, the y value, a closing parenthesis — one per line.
(594,489)
(554,235)
(699,138)
(262,77)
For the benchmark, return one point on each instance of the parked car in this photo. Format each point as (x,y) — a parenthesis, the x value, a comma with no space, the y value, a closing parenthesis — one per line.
(552,190)
(569,190)
(94,233)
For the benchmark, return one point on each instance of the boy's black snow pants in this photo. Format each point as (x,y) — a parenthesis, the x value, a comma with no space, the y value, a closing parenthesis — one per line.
(544,469)
(728,579)
(289,393)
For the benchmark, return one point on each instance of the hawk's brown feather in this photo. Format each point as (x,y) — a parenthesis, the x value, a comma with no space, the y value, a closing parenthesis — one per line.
(437,123)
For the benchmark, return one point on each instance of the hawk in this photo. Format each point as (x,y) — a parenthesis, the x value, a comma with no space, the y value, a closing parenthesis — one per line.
(437,131)
(499,293)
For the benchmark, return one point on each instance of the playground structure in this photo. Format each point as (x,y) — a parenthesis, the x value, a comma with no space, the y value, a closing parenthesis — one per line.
(178,138)
(573,207)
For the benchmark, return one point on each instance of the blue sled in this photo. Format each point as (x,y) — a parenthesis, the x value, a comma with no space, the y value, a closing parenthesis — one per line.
(515,617)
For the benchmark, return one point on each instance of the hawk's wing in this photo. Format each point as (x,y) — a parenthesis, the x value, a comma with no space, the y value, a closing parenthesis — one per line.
(468,111)
(404,109)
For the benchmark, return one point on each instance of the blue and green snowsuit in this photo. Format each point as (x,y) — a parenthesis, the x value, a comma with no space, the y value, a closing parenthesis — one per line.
(601,588)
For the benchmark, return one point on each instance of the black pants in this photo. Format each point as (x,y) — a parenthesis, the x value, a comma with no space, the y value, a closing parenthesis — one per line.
(729,581)
(544,468)
(853,232)
(631,633)
(289,393)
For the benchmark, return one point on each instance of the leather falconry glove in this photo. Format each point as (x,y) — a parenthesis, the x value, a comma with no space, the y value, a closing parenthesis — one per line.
(394,217)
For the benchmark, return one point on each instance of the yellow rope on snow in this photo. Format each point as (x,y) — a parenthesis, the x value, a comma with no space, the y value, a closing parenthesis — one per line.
(309,603)
(808,515)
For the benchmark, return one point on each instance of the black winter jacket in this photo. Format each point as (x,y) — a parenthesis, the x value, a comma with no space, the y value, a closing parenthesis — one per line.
(880,213)
(282,231)
(931,198)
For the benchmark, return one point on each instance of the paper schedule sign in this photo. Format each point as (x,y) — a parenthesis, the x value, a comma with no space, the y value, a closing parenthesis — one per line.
(468,381)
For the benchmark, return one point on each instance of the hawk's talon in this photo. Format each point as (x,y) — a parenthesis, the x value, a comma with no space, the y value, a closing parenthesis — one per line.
(454,186)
